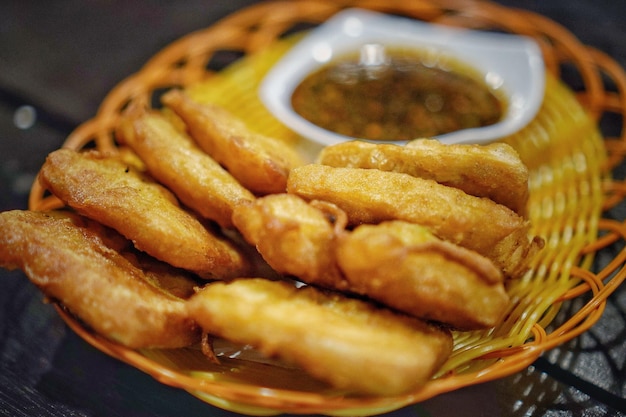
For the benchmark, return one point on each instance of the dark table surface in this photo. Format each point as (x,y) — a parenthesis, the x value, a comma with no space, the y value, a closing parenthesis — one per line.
(60,59)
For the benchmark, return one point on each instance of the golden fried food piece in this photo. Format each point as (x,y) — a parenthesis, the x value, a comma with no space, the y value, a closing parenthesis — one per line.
(399,264)
(113,193)
(176,161)
(494,171)
(294,237)
(346,342)
(69,261)
(373,196)
(175,281)
(404,266)
(259,163)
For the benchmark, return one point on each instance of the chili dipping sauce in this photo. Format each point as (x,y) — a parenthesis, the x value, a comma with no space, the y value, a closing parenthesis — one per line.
(396,94)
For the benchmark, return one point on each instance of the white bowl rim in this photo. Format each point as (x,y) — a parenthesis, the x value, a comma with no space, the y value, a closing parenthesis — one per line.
(514,61)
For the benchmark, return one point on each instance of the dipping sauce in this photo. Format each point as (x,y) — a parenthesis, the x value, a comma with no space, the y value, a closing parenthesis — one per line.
(382,94)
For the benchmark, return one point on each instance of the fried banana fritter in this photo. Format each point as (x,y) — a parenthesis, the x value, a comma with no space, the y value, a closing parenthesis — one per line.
(176,161)
(346,342)
(294,237)
(175,281)
(69,261)
(494,171)
(260,163)
(396,263)
(114,194)
(404,266)
(373,196)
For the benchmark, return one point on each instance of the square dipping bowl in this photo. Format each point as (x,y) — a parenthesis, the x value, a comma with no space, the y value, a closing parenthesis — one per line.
(511,66)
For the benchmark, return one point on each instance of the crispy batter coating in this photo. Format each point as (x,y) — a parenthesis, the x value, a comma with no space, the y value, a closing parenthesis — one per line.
(396,263)
(373,196)
(404,266)
(259,163)
(114,194)
(346,342)
(70,261)
(494,171)
(175,281)
(176,161)
(294,237)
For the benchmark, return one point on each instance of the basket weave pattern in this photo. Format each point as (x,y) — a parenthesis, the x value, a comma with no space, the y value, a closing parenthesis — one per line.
(572,190)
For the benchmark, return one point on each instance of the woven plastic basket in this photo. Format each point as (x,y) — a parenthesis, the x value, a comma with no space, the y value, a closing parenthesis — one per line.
(571,193)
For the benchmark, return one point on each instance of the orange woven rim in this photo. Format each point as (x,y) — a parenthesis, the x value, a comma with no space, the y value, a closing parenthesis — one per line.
(254,29)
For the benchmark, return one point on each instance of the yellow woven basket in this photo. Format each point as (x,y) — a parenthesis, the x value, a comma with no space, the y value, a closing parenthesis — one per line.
(570,161)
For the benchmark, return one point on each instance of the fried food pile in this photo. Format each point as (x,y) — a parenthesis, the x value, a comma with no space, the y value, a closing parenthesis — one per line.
(355,267)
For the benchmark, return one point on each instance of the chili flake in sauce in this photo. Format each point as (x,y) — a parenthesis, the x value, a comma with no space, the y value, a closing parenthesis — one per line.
(395,95)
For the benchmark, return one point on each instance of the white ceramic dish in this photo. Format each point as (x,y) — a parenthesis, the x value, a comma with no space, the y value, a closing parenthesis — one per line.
(511,64)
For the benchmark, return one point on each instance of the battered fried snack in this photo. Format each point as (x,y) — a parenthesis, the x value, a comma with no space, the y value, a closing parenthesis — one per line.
(175,281)
(348,343)
(111,192)
(494,171)
(373,196)
(68,260)
(176,161)
(259,163)
(404,266)
(294,237)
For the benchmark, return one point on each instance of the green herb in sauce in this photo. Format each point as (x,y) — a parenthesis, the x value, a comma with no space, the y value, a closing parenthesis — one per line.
(396,95)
